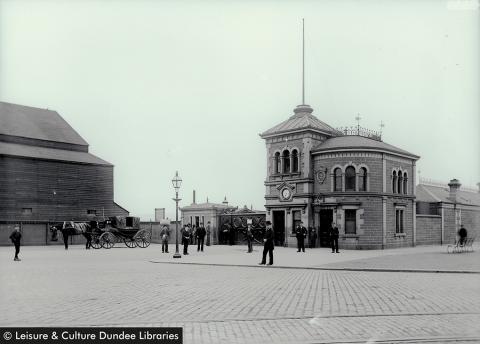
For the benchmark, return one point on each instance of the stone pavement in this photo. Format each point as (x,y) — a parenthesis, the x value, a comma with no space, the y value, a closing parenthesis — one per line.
(239,304)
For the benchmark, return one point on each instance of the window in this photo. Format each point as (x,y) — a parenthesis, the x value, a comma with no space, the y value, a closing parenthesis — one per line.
(350,221)
(400,182)
(337,179)
(286,161)
(294,160)
(394,182)
(405,183)
(350,178)
(129,221)
(91,212)
(278,163)
(362,179)
(27,211)
(399,221)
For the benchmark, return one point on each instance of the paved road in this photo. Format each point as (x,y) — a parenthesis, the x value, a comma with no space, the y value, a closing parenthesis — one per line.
(218,304)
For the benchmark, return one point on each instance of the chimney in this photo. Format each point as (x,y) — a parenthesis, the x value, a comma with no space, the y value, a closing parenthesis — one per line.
(454,186)
(193,197)
(225,201)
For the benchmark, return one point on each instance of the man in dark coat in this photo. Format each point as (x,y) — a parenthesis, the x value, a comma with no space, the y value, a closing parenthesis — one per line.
(334,237)
(301,234)
(165,235)
(268,244)
(201,232)
(15,237)
(186,239)
(462,233)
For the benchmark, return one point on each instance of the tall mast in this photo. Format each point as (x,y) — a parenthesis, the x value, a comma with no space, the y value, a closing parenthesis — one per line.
(303,61)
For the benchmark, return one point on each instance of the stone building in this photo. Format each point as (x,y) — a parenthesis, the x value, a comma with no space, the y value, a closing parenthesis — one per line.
(47,174)
(443,208)
(319,175)
(206,213)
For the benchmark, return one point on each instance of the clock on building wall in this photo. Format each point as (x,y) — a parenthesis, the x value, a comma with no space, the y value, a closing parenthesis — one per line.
(286,194)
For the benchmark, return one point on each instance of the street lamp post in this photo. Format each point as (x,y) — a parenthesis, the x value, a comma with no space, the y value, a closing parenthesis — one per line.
(176,182)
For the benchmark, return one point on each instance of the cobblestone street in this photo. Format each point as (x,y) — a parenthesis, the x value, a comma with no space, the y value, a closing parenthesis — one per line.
(238,304)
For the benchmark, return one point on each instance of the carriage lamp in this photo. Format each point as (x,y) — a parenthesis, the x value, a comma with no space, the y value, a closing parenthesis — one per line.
(176,182)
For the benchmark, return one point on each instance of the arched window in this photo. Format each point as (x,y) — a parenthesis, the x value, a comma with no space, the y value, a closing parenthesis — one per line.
(350,178)
(294,160)
(362,179)
(277,162)
(405,182)
(400,182)
(337,179)
(394,182)
(286,161)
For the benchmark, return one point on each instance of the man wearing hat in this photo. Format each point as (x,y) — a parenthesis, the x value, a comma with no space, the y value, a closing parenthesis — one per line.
(16,236)
(267,244)
(301,234)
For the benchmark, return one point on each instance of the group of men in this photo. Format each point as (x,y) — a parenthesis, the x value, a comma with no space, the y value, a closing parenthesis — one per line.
(188,233)
(301,235)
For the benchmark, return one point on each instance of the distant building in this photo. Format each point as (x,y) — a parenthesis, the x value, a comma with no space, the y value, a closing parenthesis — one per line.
(47,174)
(159,214)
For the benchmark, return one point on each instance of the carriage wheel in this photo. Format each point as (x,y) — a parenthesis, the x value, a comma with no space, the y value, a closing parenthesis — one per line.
(143,238)
(130,242)
(108,240)
(96,243)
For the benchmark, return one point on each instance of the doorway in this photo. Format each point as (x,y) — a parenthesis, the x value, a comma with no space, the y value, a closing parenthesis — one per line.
(326,219)
(279,227)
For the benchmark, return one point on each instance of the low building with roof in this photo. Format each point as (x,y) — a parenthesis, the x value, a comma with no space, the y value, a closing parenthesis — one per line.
(47,174)
(441,210)
(350,178)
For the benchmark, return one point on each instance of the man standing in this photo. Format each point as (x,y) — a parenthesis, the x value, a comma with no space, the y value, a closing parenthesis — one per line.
(186,239)
(268,244)
(334,237)
(208,233)
(200,237)
(165,235)
(249,235)
(462,233)
(16,236)
(301,234)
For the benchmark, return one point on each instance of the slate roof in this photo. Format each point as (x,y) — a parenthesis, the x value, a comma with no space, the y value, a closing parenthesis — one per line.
(301,120)
(435,194)
(206,205)
(355,142)
(27,151)
(35,123)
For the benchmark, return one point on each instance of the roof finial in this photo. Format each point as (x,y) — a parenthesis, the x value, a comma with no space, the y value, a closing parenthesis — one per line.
(358,118)
(303,61)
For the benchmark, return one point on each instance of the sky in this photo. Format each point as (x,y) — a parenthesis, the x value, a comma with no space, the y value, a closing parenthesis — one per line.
(160,86)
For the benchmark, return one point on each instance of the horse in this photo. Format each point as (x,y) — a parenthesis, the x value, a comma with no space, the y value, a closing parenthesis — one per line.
(69,228)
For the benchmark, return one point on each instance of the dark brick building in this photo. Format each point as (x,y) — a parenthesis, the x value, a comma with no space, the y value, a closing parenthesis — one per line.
(47,174)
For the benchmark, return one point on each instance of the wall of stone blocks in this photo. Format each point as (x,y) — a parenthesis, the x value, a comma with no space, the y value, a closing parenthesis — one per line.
(394,240)
(372,161)
(429,229)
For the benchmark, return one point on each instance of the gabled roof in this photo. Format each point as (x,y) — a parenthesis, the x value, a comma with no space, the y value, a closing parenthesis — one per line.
(355,142)
(35,123)
(435,194)
(301,120)
(35,152)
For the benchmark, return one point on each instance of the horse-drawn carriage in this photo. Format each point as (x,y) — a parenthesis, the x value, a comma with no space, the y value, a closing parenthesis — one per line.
(106,233)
